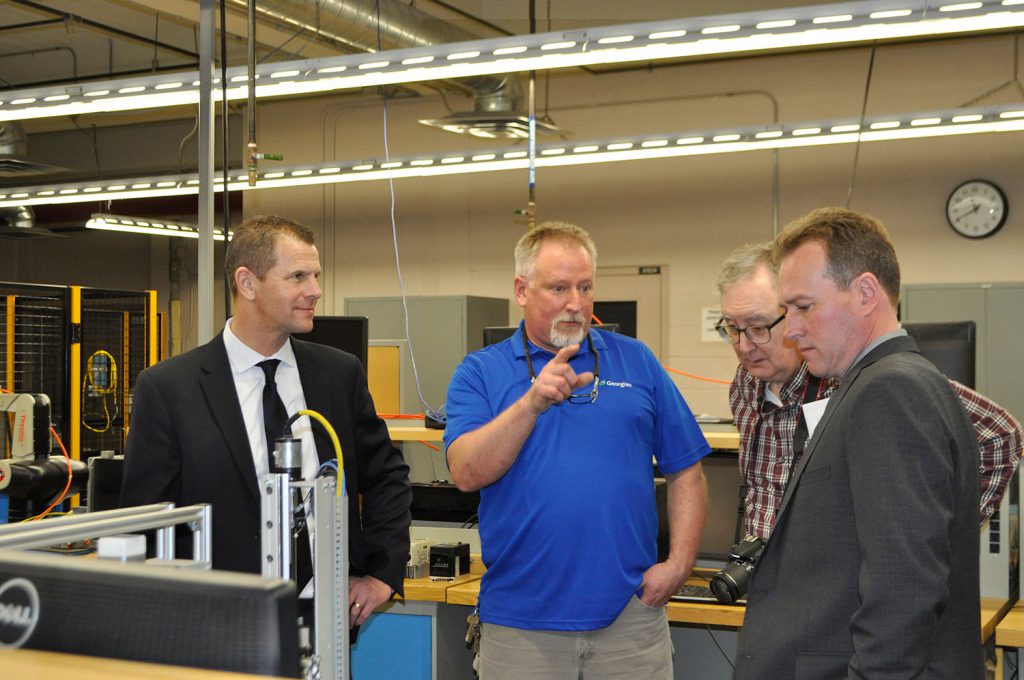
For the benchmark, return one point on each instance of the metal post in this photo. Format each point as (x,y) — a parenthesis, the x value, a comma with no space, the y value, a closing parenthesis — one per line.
(164,540)
(202,539)
(204,271)
(330,580)
(276,527)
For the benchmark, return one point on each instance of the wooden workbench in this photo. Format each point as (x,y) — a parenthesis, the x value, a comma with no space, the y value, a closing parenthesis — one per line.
(728,440)
(31,663)
(731,616)
(467,592)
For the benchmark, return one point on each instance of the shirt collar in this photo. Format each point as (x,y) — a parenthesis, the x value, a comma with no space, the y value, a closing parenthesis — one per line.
(242,357)
(899,332)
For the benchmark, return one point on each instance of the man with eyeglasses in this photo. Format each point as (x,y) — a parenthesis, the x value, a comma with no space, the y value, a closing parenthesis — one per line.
(772,383)
(556,427)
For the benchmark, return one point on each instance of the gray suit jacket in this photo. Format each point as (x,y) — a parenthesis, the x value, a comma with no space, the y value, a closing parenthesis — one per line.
(187,444)
(872,569)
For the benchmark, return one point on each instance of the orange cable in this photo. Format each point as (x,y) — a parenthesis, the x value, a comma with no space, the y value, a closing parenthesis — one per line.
(697,377)
(401,416)
(599,322)
(428,445)
(64,493)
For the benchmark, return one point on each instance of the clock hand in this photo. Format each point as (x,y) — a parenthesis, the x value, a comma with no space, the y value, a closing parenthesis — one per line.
(975,207)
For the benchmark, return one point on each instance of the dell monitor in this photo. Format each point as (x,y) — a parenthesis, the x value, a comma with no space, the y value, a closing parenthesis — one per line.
(724,525)
(348,333)
(948,345)
(203,619)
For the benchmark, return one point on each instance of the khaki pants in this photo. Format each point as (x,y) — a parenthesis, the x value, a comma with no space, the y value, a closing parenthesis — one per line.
(636,645)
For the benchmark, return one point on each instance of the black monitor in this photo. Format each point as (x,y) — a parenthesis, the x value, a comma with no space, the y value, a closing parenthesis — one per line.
(495,334)
(948,345)
(347,333)
(203,619)
(724,524)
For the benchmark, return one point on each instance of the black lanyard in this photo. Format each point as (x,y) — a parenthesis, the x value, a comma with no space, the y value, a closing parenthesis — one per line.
(590,346)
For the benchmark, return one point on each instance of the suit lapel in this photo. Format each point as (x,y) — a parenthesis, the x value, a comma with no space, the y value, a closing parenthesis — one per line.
(218,387)
(812,441)
(899,344)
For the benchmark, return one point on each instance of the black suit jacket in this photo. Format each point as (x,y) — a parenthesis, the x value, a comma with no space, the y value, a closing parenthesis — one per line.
(187,444)
(872,568)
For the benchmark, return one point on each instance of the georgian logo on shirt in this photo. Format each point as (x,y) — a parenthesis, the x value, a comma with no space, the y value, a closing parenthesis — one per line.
(615,383)
(19,612)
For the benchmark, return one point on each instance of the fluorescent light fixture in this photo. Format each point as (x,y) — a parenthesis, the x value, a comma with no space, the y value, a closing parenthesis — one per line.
(920,125)
(809,26)
(148,226)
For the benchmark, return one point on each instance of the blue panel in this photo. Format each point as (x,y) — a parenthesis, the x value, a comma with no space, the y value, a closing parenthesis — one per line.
(393,647)
(5,505)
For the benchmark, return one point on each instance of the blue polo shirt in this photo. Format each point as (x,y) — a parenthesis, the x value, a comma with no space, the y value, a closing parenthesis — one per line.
(569,530)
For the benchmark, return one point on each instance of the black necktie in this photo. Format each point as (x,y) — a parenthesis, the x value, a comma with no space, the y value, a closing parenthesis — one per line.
(274,418)
(274,413)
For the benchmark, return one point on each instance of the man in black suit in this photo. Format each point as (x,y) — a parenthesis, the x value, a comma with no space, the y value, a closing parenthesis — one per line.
(197,431)
(872,568)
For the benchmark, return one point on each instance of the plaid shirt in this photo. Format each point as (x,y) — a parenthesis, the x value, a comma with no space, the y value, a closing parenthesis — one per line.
(766,436)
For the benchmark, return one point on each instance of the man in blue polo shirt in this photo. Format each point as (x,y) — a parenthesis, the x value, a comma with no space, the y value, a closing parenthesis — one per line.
(556,427)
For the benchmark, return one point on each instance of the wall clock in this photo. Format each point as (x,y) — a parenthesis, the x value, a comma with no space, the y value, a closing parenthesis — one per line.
(976,209)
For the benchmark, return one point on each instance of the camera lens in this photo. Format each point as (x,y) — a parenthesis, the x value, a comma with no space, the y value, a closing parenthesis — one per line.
(730,584)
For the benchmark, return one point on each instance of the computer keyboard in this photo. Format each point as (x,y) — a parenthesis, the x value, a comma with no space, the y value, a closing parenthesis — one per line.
(693,593)
(697,593)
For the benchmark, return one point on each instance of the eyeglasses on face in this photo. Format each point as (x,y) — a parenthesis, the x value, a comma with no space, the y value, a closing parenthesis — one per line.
(756,334)
(576,397)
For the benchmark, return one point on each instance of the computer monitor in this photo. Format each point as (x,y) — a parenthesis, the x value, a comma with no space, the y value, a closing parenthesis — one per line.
(724,524)
(347,333)
(495,334)
(203,619)
(948,345)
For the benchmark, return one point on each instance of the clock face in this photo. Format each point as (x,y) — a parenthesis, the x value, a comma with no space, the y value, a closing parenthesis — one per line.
(976,209)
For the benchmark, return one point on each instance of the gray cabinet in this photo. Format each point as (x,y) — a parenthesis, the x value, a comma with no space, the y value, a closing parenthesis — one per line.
(442,330)
(998,311)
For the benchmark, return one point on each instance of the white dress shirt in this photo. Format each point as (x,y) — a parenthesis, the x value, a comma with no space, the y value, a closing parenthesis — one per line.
(249,382)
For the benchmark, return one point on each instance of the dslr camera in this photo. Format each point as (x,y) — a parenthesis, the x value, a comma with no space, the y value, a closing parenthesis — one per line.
(730,584)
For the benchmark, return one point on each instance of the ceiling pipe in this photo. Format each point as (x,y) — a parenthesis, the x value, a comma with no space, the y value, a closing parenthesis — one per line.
(354,24)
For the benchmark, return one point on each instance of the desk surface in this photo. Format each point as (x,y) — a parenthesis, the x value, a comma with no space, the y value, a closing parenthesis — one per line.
(467,592)
(993,611)
(722,441)
(30,663)
(1010,631)
(731,616)
(414,433)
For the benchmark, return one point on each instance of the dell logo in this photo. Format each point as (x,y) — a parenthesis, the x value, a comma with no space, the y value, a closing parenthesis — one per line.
(19,612)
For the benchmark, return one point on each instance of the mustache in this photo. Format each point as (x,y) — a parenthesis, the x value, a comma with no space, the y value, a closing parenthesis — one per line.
(568,318)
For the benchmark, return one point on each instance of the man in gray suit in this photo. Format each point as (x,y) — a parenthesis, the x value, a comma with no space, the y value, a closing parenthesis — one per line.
(872,568)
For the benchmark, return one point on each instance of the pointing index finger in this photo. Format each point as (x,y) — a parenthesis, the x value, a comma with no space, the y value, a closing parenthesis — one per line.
(566,353)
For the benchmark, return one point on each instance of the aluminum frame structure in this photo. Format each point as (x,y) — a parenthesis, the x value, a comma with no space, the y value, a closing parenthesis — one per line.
(160,516)
(280,499)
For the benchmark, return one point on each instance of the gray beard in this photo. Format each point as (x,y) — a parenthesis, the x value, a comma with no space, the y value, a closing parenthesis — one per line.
(559,339)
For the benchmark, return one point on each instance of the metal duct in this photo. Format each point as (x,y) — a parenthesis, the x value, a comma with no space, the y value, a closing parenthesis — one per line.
(14,153)
(353,23)
(20,222)
(13,140)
